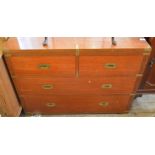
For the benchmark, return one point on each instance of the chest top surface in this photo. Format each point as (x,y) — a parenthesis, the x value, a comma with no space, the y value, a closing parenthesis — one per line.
(36,43)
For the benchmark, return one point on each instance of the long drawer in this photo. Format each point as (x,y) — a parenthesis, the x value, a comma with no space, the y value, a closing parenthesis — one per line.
(71,86)
(42,65)
(110,65)
(75,104)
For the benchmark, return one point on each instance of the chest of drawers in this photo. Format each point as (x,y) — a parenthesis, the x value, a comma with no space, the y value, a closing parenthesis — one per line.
(9,105)
(76,75)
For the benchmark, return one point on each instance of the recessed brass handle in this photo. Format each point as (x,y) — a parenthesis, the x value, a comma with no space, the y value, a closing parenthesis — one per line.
(104,104)
(47,86)
(44,66)
(110,65)
(50,104)
(106,86)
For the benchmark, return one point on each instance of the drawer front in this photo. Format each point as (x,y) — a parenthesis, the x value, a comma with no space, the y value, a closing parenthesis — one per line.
(75,104)
(110,65)
(46,86)
(42,65)
(71,86)
(106,85)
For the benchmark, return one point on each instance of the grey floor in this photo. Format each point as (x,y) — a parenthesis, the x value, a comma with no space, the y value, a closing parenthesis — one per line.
(141,107)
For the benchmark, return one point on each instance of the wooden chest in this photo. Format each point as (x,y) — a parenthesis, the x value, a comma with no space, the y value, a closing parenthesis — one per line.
(76,75)
(9,105)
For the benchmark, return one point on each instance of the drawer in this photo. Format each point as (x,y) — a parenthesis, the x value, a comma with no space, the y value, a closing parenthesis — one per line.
(107,85)
(110,65)
(44,86)
(75,104)
(72,86)
(42,65)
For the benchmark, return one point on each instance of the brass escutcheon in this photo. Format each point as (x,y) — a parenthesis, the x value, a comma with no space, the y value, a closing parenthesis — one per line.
(47,86)
(110,65)
(106,86)
(44,66)
(50,104)
(104,104)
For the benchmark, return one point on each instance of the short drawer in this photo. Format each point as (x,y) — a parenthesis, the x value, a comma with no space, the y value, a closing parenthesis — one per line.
(110,65)
(76,104)
(73,86)
(42,65)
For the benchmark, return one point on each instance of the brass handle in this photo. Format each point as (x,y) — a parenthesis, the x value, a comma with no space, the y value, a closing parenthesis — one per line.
(110,65)
(50,105)
(44,66)
(104,104)
(106,86)
(47,86)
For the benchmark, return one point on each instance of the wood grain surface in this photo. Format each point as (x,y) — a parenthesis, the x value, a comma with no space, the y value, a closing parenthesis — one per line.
(78,75)
(75,104)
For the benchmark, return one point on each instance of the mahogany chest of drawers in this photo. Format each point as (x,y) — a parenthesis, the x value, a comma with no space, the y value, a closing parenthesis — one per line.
(76,75)
(9,105)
